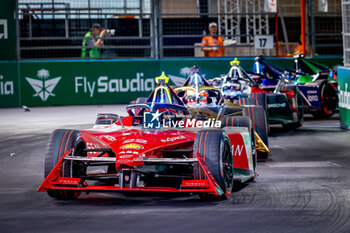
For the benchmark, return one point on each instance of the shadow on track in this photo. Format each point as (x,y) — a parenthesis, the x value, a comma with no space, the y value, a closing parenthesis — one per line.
(145,199)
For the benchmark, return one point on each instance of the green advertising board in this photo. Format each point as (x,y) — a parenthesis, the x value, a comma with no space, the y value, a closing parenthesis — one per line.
(344,96)
(49,83)
(75,83)
(7,30)
(9,86)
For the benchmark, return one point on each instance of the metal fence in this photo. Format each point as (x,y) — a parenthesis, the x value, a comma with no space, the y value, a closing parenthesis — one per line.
(325,27)
(55,29)
(346,31)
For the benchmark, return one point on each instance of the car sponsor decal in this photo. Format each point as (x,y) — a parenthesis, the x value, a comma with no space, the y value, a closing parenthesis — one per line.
(125,156)
(135,140)
(132,146)
(90,145)
(108,138)
(128,152)
(171,139)
(277,105)
(312,95)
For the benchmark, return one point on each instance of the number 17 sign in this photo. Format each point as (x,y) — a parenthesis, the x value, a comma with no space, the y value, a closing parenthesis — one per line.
(263,41)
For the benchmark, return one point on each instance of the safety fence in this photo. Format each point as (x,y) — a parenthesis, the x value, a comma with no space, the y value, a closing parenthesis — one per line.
(48,83)
(55,29)
(346,31)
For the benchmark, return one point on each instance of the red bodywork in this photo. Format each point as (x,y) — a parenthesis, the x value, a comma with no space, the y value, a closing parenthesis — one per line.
(134,146)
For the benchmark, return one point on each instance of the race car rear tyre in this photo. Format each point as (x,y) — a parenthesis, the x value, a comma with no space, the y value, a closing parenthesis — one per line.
(258,117)
(106,119)
(215,149)
(300,106)
(61,140)
(242,121)
(329,100)
(261,99)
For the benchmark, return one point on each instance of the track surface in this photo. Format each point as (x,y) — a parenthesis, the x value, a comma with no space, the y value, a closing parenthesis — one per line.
(303,187)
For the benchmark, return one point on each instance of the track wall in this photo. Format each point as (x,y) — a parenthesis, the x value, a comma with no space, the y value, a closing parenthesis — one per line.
(48,83)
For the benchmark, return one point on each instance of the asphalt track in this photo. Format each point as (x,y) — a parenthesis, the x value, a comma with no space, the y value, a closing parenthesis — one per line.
(303,187)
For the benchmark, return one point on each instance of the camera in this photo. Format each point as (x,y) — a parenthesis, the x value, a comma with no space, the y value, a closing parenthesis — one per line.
(110,32)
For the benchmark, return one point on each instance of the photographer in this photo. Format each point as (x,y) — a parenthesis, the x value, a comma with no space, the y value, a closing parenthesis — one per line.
(93,41)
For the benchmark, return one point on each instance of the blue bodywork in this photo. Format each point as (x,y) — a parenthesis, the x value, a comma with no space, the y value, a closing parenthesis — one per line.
(271,74)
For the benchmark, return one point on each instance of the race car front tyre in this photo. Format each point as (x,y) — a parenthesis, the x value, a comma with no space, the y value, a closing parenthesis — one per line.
(258,116)
(215,149)
(242,121)
(329,100)
(61,140)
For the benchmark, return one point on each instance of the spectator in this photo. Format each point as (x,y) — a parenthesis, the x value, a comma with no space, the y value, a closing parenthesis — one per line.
(93,41)
(211,44)
(299,49)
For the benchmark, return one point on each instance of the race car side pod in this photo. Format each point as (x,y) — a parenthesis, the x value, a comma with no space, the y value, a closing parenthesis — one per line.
(305,99)
(54,181)
(280,84)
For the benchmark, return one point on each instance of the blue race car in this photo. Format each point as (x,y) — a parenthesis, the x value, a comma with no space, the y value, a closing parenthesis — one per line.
(315,81)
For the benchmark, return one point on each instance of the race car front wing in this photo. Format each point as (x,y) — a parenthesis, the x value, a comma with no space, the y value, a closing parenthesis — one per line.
(54,181)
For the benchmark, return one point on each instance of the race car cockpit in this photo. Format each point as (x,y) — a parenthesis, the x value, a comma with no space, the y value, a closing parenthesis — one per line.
(196,91)
(163,93)
(236,83)
(163,99)
(195,79)
(269,75)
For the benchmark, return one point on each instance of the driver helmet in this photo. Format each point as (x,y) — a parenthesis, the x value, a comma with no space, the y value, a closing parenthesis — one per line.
(232,86)
(216,82)
(190,97)
(232,90)
(203,97)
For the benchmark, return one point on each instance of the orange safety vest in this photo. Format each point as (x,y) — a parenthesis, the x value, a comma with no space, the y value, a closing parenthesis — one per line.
(212,41)
(299,50)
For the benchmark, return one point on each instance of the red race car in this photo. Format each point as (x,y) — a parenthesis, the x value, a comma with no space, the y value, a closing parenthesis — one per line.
(159,147)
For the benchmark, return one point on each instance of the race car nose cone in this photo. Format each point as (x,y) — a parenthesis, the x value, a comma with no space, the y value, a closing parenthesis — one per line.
(130,160)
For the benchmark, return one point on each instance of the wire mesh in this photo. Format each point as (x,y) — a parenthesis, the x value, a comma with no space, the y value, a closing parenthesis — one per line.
(185,25)
(346,31)
(327,34)
(169,28)
(56,29)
